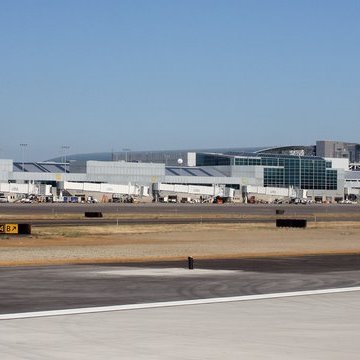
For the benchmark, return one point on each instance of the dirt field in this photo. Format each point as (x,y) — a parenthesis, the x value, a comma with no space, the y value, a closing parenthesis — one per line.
(159,242)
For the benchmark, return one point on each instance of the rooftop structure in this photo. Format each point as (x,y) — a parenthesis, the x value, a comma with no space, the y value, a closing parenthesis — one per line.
(326,149)
(338,149)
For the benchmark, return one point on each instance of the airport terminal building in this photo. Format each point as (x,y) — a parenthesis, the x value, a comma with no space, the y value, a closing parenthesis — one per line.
(234,174)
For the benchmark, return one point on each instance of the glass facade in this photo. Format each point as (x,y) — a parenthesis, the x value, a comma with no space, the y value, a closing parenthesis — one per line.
(213,159)
(274,177)
(304,172)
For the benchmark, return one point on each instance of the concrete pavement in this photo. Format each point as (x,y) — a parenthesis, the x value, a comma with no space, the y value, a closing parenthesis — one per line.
(305,327)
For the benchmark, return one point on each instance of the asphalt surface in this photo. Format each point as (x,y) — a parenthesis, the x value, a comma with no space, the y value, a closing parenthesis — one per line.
(160,208)
(174,213)
(24,289)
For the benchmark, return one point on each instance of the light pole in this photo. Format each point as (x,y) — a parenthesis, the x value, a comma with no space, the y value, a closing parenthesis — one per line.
(167,156)
(64,149)
(23,146)
(126,153)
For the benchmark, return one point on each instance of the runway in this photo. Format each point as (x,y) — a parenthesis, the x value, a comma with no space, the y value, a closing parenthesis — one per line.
(25,289)
(306,325)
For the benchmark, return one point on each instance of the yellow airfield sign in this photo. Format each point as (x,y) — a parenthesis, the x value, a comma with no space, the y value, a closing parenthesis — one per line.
(9,228)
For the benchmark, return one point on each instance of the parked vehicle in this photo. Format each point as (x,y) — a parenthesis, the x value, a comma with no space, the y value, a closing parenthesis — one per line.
(3,198)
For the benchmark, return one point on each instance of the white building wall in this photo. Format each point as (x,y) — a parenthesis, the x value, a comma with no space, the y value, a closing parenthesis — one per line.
(285,192)
(130,189)
(339,163)
(249,175)
(191,159)
(37,176)
(189,189)
(6,167)
(172,179)
(124,168)
(119,172)
(19,188)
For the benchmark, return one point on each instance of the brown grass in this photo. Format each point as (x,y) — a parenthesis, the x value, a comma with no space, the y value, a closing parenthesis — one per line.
(159,242)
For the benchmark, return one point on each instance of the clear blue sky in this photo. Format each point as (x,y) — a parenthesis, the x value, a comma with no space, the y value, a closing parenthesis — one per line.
(151,75)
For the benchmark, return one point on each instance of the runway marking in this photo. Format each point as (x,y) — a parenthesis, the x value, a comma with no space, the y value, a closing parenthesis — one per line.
(101,309)
(161,272)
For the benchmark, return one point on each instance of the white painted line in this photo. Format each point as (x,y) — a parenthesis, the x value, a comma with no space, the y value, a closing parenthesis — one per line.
(161,272)
(100,309)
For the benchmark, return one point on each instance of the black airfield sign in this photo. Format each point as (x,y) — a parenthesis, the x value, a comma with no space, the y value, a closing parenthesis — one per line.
(15,229)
